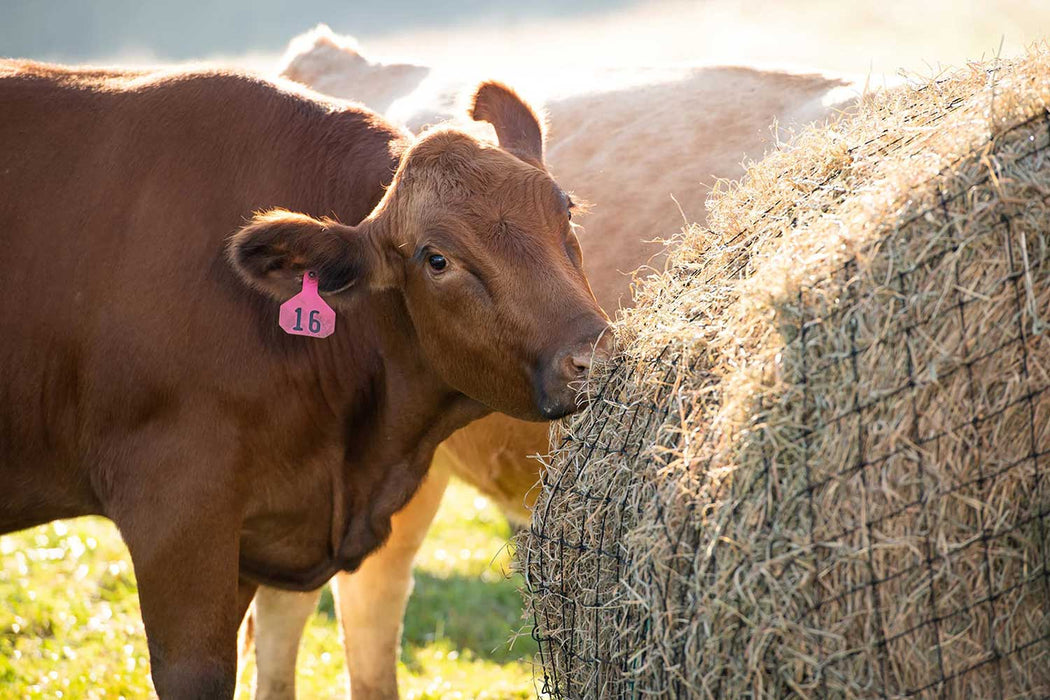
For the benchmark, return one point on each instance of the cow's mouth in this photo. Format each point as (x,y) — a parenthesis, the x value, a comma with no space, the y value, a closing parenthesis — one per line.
(553,410)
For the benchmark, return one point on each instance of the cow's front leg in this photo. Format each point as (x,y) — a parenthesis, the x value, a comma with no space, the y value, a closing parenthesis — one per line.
(278,619)
(371,601)
(181,523)
(192,605)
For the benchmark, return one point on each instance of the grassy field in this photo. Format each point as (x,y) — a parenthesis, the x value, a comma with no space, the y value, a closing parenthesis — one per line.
(70,625)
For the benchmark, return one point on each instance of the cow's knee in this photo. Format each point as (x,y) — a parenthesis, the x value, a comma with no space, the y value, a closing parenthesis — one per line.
(193,647)
(192,678)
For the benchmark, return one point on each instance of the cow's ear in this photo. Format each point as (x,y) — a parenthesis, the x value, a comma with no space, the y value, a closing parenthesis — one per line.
(275,248)
(518,128)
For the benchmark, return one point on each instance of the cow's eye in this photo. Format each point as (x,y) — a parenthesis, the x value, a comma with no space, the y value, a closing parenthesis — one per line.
(437,262)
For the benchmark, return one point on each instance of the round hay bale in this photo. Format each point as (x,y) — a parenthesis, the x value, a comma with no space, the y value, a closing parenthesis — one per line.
(819,466)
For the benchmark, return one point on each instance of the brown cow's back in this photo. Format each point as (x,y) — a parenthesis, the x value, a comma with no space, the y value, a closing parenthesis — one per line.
(648,155)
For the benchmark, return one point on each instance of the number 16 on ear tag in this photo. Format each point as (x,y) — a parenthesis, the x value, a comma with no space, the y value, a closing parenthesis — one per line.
(307,313)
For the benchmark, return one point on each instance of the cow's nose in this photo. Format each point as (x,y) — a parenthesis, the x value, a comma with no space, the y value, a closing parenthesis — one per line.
(560,383)
(577,360)
(579,363)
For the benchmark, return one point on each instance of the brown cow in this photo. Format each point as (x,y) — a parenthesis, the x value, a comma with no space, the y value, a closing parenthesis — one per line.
(146,379)
(678,130)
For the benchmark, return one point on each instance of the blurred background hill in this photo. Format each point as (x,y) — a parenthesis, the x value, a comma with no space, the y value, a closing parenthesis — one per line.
(861,38)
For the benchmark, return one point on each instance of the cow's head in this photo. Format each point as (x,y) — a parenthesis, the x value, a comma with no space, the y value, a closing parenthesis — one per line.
(335,66)
(478,241)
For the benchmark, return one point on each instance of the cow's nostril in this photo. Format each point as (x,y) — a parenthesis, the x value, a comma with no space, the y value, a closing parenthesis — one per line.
(580,362)
(577,362)
(574,365)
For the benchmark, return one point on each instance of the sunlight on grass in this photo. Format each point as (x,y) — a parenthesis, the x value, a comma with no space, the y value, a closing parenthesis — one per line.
(70,624)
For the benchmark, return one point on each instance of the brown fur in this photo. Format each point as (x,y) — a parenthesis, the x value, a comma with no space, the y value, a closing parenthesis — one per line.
(517,126)
(148,383)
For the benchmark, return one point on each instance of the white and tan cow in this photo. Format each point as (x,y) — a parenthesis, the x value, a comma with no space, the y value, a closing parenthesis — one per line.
(645,156)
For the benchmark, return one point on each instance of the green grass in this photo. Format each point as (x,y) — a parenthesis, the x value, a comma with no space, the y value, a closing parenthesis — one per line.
(70,625)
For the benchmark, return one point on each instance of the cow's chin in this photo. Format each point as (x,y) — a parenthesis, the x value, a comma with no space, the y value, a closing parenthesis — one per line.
(554,412)
(509,398)
(547,406)
(529,411)
(532,402)
(552,406)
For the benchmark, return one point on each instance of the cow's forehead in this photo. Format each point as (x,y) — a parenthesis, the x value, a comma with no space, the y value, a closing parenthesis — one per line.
(513,217)
(507,207)
(461,171)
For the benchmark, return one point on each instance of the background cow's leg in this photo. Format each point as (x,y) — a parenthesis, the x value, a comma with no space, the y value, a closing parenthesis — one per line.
(371,601)
(278,620)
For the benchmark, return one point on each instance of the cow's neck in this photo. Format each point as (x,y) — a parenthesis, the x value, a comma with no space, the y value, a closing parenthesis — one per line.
(395,411)
(386,404)
(414,408)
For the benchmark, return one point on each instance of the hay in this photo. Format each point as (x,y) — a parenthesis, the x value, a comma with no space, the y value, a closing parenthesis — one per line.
(817,468)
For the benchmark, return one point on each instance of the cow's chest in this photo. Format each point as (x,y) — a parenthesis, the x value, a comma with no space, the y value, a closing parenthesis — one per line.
(327,513)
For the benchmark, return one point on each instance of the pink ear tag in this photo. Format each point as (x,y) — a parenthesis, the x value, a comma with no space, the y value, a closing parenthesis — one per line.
(307,313)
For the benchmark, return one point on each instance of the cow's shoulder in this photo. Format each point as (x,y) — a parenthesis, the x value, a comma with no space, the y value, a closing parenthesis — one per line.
(340,124)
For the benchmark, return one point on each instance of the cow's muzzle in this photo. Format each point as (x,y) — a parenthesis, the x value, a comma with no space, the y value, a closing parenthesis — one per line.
(562,378)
